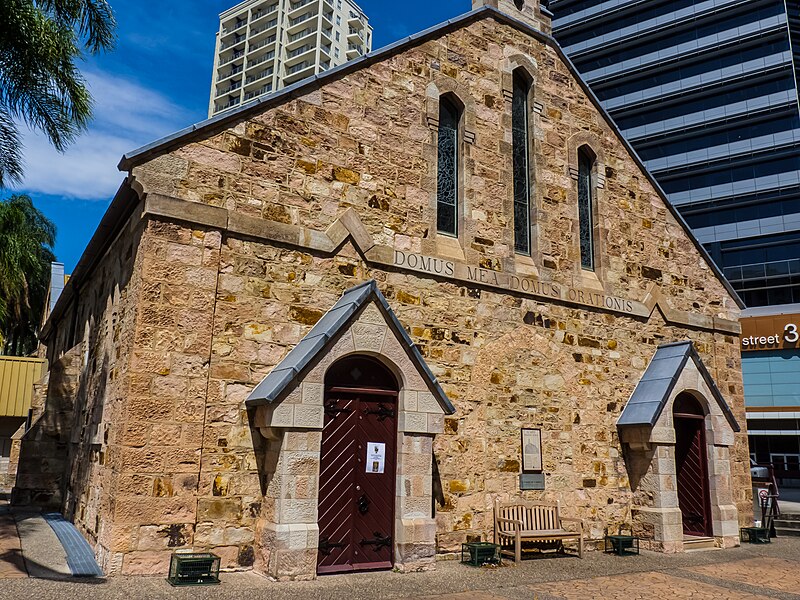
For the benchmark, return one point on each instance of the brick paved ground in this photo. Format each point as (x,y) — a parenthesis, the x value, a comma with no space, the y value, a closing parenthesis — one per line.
(751,572)
(11,562)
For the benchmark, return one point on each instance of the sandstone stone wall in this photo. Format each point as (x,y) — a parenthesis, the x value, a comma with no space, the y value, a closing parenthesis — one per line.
(215,311)
(67,459)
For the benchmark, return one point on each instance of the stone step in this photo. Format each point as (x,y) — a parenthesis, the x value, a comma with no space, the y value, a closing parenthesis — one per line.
(786,524)
(783,532)
(789,517)
(691,544)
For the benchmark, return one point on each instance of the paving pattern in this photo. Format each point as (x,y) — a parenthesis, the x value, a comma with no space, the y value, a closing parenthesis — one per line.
(771,573)
(12,565)
(639,586)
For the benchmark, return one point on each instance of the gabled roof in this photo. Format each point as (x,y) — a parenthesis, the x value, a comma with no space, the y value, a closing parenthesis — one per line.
(223,120)
(326,331)
(654,388)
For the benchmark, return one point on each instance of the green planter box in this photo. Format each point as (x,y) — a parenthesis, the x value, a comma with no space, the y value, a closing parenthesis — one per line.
(755,535)
(479,554)
(194,569)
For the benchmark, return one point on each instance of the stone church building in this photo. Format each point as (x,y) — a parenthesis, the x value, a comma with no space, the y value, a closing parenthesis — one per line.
(311,333)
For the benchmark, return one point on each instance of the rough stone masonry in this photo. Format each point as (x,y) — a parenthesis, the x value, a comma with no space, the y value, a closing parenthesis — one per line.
(227,243)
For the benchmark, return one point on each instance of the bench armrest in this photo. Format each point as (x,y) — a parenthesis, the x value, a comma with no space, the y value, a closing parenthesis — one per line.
(571,520)
(517,524)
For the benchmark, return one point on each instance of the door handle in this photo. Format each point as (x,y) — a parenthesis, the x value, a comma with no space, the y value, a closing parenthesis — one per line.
(363,504)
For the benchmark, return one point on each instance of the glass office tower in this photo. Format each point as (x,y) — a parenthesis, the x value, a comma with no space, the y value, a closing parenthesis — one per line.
(706,91)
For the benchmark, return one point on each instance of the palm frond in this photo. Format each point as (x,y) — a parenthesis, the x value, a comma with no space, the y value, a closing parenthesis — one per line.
(10,151)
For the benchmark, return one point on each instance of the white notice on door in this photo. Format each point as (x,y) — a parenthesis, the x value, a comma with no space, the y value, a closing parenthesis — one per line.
(376,457)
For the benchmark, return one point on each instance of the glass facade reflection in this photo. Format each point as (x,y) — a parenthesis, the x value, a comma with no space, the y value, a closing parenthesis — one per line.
(706,92)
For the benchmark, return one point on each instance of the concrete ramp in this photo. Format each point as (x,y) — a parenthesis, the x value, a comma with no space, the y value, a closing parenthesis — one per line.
(79,555)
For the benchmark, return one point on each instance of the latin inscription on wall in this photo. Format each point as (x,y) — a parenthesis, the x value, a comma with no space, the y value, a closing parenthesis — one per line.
(515,283)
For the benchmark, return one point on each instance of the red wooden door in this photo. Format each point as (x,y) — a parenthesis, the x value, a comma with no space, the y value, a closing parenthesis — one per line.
(692,471)
(357,480)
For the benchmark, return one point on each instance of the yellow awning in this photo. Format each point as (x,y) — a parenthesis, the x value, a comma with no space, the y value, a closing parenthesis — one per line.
(17,376)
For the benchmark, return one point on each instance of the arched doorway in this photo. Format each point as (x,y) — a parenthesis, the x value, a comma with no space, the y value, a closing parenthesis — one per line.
(357,467)
(691,465)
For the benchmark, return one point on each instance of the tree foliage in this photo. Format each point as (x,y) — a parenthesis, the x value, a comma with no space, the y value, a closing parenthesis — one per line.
(40,84)
(27,238)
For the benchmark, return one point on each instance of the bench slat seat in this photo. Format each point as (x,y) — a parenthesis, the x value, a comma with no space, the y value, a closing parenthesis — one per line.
(532,522)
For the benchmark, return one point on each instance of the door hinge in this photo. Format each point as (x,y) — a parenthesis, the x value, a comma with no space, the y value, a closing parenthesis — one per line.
(378,542)
(382,411)
(334,411)
(326,546)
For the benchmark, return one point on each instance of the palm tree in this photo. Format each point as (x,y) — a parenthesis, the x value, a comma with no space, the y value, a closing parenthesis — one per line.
(26,251)
(40,42)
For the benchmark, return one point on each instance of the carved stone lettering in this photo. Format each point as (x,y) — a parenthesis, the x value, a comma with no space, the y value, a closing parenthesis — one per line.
(516,283)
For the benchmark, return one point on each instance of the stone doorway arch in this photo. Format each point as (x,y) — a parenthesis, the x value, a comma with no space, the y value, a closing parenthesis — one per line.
(677,383)
(288,409)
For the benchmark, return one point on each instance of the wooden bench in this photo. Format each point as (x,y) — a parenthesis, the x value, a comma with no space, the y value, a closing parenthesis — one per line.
(520,521)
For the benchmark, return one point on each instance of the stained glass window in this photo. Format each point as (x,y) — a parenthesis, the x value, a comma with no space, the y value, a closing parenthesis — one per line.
(447,184)
(519,127)
(585,207)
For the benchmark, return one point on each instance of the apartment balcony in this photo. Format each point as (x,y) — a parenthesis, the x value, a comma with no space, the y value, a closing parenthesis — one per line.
(260,14)
(235,70)
(298,23)
(355,37)
(295,6)
(230,104)
(293,57)
(232,41)
(298,72)
(235,26)
(258,60)
(300,35)
(264,43)
(263,28)
(232,87)
(264,89)
(224,60)
(354,51)
(354,21)
(260,76)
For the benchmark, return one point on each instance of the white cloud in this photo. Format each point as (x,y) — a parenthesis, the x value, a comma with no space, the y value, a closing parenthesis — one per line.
(126,116)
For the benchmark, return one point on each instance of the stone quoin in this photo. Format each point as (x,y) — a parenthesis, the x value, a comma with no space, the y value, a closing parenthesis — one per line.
(436,245)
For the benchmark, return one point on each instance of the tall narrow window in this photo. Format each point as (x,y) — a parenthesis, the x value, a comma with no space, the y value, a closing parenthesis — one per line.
(520,139)
(586,207)
(447,184)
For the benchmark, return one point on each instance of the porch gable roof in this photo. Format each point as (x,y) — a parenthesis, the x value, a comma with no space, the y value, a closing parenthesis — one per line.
(656,385)
(327,329)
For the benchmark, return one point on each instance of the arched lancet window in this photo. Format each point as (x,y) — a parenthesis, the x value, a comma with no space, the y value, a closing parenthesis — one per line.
(521,158)
(448,167)
(586,197)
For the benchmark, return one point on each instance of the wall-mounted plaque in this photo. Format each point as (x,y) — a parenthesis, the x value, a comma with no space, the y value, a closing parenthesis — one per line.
(531,481)
(531,450)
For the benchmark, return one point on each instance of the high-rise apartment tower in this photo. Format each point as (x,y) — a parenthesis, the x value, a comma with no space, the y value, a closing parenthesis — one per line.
(266,45)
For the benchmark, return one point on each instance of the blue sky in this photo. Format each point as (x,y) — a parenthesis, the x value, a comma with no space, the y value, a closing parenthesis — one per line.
(157,81)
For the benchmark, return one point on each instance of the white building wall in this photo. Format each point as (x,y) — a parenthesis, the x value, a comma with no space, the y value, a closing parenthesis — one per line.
(265,45)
